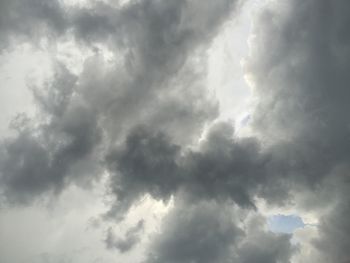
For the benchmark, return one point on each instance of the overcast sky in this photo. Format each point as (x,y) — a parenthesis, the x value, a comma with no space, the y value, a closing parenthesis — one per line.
(174,131)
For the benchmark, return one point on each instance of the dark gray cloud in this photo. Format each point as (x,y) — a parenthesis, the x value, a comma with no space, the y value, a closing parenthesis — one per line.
(41,156)
(333,240)
(204,232)
(265,247)
(30,20)
(299,68)
(137,118)
(303,80)
(148,89)
(178,104)
(259,245)
(223,168)
(146,164)
(299,63)
(126,243)
(213,232)
(160,81)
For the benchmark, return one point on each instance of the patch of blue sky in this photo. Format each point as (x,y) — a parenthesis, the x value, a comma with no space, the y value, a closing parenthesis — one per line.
(284,223)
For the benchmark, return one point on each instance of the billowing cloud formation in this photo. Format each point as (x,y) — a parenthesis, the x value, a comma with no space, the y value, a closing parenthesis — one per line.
(222,168)
(298,69)
(75,107)
(196,233)
(47,156)
(211,232)
(299,63)
(139,120)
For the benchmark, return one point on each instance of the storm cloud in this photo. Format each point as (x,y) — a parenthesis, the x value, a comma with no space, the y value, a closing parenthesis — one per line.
(117,98)
(144,124)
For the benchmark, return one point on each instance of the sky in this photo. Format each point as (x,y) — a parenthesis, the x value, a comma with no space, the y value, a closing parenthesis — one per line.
(174,131)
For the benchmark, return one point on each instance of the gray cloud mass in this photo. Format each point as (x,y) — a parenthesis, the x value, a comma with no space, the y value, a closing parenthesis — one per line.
(138,120)
(131,238)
